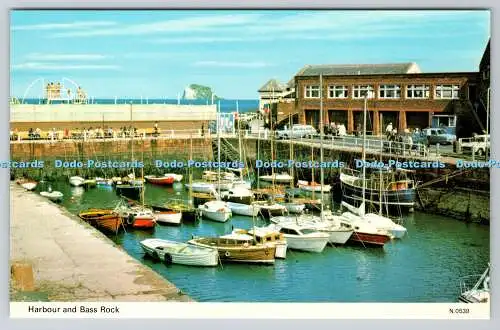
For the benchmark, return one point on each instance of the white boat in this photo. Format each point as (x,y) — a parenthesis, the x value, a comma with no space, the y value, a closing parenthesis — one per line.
(479,292)
(278,178)
(76,181)
(177,177)
(268,210)
(168,217)
(103,181)
(381,222)
(31,185)
(242,184)
(214,176)
(338,234)
(216,211)
(313,186)
(262,235)
(172,252)
(55,196)
(302,238)
(238,195)
(201,187)
(296,208)
(251,210)
(223,184)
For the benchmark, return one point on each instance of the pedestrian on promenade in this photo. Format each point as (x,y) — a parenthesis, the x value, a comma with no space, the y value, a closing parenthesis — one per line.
(202,129)
(388,130)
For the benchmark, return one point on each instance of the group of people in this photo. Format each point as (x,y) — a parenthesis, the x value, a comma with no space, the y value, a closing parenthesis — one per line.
(336,129)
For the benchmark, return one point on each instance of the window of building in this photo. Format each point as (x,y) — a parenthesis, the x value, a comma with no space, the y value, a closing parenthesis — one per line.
(447,91)
(359,91)
(311,91)
(417,91)
(338,92)
(389,92)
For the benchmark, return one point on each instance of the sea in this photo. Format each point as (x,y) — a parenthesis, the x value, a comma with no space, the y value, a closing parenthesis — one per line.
(226,105)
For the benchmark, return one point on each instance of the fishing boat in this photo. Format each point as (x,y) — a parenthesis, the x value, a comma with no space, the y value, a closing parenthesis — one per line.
(238,195)
(27,184)
(177,177)
(163,180)
(143,218)
(168,217)
(302,238)
(171,252)
(201,187)
(76,181)
(277,178)
(55,196)
(389,191)
(216,211)
(234,250)
(269,210)
(108,220)
(262,235)
(251,210)
(313,186)
(479,292)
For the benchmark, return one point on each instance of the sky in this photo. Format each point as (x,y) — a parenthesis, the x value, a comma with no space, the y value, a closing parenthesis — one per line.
(156,54)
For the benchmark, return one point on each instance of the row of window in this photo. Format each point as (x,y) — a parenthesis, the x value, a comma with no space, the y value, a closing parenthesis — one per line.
(384,91)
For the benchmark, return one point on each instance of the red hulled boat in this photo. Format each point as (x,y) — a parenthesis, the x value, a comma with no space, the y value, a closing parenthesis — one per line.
(160,180)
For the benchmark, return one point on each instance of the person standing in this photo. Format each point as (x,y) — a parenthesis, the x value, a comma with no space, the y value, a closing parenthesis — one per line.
(388,130)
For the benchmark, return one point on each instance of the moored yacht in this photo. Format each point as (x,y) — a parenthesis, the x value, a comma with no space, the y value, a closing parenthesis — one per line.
(303,238)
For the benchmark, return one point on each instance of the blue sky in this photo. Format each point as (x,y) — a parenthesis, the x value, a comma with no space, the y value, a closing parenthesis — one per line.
(158,53)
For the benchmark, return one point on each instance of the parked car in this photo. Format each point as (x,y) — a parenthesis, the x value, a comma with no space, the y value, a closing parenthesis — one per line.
(479,144)
(297,131)
(438,135)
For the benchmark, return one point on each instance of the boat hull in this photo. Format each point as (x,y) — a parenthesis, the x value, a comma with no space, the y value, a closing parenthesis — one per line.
(76,181)
(169,217)
(268,212)
(402,198)
(162,181)
(241,253)
(206,258)
(29,185)
(132,192)
(238,199)
(306,243)
(370,239)
(219,216)
(143,223)
(339,237)
(295,208)
(244,209)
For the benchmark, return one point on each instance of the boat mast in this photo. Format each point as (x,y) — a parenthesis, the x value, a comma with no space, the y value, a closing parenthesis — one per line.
(291,148)
(218,149)
(363,155)
(190,197)
(380,183)
(272,145)
(132,138)
(239,139)
(258,152)
(321,133)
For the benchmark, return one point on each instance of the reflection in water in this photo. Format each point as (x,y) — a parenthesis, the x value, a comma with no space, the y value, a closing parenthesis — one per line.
(423,267)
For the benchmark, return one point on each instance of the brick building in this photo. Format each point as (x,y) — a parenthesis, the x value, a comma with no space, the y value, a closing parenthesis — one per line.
(398,93)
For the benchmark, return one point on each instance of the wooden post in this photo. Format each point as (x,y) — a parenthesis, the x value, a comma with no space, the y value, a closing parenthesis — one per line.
(376,122)
(350,121)
(402,121)
(22,275)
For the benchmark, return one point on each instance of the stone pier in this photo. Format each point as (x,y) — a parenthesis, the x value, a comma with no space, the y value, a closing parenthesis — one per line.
(72,261)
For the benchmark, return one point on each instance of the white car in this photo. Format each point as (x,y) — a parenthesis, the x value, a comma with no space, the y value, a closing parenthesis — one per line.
(297,131)
(478,144)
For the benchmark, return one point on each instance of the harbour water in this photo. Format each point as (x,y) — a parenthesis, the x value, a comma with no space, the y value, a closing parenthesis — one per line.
(425,266)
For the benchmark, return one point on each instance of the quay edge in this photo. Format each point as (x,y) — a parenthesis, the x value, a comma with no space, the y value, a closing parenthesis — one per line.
(72,261)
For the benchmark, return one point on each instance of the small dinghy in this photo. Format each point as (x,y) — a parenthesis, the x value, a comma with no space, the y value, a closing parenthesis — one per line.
(172,252)
(159,180)
(27,184)
(76,181)
(168,217)
(216,211)
(251,210)
(55,196)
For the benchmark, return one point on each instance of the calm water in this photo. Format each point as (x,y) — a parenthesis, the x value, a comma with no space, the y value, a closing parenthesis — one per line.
(423,267)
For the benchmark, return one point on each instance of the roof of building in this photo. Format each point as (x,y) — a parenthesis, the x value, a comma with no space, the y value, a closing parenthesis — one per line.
(272,85)
(358,69)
